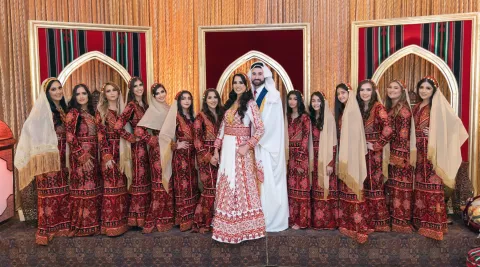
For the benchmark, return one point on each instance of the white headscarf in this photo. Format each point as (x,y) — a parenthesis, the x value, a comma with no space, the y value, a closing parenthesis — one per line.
(446,136)
(37,149)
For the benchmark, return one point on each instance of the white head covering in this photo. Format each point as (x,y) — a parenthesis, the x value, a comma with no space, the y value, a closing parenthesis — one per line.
(155,115)
(125,163)
(274,95)
(352,166)
(326,144)
(37,149)
(446,135)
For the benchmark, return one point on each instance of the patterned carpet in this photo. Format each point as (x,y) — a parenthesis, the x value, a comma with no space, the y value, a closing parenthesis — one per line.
(288,248)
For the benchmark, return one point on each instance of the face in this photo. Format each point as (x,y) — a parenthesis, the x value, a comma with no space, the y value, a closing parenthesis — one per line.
(81,96)
(160,95)
(110,93)
(56,91)
(292,101)
(394,90)
(366,92)
(212,100)
(425,91)
(138,88)
(186,101)
(342,95)
(238,86)
(316,103)
(257,76)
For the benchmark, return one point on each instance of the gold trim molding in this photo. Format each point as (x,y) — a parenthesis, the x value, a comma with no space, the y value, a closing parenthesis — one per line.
(305,27)
(473,157)
(34,25)
(255,55)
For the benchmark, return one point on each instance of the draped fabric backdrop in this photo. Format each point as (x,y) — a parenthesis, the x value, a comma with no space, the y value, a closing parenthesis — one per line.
(175,25)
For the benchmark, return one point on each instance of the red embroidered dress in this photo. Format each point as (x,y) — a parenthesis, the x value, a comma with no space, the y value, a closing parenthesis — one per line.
(429,212)
(400,181)
(238,209)
(297,172)
(85,186)
(324,211)
(184,175)
(353,215)
(160,211)
(115,195)
(140,188)
(378,132)
(206,132)
(53,195)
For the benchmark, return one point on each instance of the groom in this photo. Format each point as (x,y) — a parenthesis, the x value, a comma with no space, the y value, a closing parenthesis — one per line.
(270,151)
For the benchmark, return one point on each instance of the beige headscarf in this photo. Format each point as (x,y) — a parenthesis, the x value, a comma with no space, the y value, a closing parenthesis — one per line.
(413,138)
(37,149)
(166,138)
(445,138)
(156,113)
(352,167)
(125,163)
(327,142)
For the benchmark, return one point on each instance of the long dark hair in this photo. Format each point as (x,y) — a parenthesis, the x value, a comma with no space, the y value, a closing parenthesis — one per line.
(179,105)
(317,122)
(75,105)
(432,83)
(219,110)
(300,104)
(373,99)
(57,119)
(131,94)
(244,99)
(401,102)
(339,106)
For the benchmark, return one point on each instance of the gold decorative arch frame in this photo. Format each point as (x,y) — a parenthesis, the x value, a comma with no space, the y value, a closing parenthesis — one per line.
(469,24)
(146,55)
(94,55)
(241,49)
(255,55)
(429,56)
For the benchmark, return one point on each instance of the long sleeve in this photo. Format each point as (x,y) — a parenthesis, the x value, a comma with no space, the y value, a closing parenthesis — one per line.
(332,162)
(221,133)
(75,146)
(144,135)
(199,134)
(105,149)
(125,116)
(305,121)
(386,135)
(256,119)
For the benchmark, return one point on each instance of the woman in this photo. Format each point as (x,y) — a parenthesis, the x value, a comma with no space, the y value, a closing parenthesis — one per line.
(115,160)
(85,181)
(238,210)
(206,126)
(177,132)
(44,130)
(140,188)
(353,217)
(399,185)
(160,211)
(440,135)
(378,133)
(324,180)
(298,177)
